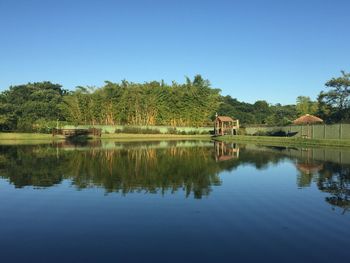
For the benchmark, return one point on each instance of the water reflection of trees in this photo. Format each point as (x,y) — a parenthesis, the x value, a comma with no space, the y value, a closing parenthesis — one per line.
(329,169)
(27,165)
(335,180)
(142,168)
(158,168)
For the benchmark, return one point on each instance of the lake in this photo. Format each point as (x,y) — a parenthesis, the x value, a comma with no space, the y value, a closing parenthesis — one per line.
(175,201)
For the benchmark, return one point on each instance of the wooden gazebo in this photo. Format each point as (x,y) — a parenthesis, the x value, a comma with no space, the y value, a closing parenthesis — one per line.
(225,125)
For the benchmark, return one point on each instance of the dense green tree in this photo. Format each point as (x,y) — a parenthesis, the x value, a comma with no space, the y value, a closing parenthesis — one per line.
(258,113)
(306,106)
(335,103)
(23,105)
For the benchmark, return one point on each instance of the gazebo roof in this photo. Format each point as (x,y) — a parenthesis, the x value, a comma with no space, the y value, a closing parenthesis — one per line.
(306,119)
(225,119)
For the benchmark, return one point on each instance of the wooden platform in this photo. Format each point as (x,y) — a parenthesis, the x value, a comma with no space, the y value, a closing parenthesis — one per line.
(70,133)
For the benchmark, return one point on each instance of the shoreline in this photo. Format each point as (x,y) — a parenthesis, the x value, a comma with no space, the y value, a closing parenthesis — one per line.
(20,138)
(7,138)
(283,141)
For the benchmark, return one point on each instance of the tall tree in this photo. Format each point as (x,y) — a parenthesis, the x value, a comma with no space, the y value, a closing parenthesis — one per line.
(306,106)
(337,99)
(23,105)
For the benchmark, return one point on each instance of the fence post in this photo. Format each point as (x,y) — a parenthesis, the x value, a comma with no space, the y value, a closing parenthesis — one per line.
(340,131)
(324,131)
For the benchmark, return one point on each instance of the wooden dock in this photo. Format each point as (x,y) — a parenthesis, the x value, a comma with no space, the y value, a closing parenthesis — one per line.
(71,133)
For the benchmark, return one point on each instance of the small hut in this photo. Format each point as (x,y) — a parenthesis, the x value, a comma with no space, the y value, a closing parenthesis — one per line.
(307,119)
(225,125)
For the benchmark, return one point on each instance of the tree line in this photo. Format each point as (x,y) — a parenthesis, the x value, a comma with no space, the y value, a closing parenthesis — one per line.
(193,103)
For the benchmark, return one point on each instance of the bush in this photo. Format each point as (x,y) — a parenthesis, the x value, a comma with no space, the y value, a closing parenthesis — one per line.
(172,130)
(276,132)
(138,130)
(279,133)
(241,131)
(260,133)
(40,126)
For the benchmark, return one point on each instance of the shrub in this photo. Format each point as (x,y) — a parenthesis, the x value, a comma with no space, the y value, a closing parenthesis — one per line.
(138,130)
(275,132)
(260,133)
(279,133)
(241,131)
(172,130)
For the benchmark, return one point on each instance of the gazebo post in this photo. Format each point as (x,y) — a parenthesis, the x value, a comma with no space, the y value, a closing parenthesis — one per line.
(215,127)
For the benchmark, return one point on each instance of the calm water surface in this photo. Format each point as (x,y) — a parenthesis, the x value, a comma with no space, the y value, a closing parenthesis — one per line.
(173,202)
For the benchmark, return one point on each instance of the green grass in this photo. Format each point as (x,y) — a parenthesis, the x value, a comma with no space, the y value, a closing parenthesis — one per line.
(27,136)
(11,138)
(125,137)
(284,141)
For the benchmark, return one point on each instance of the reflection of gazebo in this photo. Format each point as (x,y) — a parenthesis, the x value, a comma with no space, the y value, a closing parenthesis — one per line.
(224,152)
(307,119)
(225,125)
(309,168)
(307,171)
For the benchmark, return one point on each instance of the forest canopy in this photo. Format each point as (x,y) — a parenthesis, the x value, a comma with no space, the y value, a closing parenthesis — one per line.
(193,103)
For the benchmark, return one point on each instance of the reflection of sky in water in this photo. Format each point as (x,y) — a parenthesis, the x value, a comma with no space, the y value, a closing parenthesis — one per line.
(249,214)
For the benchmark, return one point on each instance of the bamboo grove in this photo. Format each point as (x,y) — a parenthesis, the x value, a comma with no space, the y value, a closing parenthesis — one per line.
(150,103)
(192,103)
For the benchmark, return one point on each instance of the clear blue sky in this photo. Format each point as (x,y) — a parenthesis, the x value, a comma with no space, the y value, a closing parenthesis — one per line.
(271,50)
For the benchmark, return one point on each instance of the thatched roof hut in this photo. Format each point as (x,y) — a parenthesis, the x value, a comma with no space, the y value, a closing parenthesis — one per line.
(307,119)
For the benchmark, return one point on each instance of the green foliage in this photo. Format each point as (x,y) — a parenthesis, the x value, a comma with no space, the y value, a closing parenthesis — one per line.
(258,113)
(335,103)
(21,106)
(138,130)
(306,106)
(172,130)
(150,103)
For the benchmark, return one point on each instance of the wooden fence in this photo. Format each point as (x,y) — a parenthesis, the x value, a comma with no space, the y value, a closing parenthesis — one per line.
(323,131)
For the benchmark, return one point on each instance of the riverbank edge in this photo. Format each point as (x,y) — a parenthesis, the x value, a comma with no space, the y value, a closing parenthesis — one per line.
(118,136)
(283,141)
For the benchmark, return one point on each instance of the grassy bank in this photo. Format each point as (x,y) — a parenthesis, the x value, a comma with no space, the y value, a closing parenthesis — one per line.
(6,138)
(27,136)
(284,141)
(157,137)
